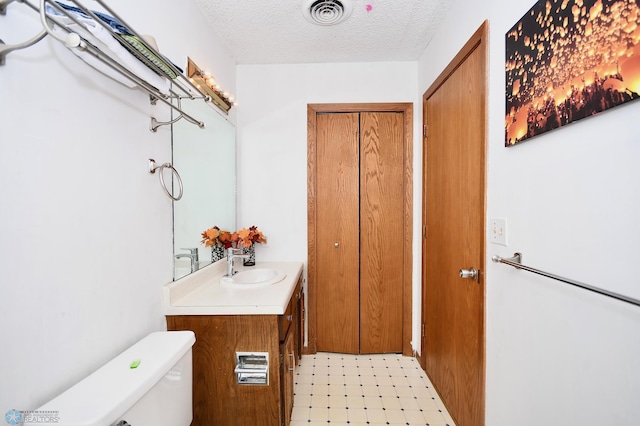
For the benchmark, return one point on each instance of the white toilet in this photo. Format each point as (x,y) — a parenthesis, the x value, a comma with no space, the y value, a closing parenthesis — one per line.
(149,384)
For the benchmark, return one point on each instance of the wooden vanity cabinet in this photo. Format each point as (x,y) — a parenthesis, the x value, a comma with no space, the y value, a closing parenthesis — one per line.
(290,348)
(217,398)
(288,370)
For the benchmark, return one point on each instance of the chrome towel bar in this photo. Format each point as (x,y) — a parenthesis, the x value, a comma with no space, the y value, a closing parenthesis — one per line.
(517,258)
(178,86)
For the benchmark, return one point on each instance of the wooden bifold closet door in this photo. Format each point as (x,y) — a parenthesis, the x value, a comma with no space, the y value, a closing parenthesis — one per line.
(359,231)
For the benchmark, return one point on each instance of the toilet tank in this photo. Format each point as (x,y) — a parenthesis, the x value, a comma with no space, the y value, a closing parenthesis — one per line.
(147,384)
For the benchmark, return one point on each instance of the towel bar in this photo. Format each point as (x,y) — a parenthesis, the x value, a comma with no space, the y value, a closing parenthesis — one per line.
(51,12)
(517,258)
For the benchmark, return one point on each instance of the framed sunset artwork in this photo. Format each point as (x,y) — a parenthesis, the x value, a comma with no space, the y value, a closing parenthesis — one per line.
(567,60)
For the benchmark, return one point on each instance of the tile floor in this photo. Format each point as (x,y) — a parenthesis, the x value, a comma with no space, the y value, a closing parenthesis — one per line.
(360,390)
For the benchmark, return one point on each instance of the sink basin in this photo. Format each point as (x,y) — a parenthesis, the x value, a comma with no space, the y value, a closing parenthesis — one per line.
(250,278)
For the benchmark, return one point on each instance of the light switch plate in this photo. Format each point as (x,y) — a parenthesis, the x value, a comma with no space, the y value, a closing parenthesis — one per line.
(498,230)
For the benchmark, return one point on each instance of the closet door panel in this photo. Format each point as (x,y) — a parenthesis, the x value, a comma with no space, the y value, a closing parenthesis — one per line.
(337,230)
(381,231)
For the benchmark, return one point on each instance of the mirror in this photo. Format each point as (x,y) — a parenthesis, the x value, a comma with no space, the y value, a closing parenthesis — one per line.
(206,161)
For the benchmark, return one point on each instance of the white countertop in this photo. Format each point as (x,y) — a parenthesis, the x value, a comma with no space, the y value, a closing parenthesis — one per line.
(201,293)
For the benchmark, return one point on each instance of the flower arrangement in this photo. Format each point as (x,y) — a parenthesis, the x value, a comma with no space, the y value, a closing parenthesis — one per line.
(217,237)
(244,238)
(248,237)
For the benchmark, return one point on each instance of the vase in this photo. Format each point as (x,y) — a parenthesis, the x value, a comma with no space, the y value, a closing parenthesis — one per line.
(251,252)
(217,253)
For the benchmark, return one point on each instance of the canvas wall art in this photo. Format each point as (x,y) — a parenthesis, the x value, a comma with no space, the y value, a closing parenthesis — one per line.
(567,60)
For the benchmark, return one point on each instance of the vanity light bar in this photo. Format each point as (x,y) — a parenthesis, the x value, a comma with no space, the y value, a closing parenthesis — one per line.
(207,84)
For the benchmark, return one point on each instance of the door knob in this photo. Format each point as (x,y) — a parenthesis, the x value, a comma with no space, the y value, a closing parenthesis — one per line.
(471,273)
(336,245)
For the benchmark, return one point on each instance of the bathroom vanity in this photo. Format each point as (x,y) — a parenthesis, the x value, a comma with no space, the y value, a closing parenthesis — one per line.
(248,343)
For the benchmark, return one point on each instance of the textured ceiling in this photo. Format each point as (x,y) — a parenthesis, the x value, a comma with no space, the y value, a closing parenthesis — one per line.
(276,31)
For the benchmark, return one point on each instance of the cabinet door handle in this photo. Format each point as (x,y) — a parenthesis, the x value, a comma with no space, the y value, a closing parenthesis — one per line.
(293,362)
(289,317)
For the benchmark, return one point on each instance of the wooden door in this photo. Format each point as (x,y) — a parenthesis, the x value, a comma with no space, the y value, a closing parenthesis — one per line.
(454,219)
(381,231)
(360,255)
(338,230)
(335,291)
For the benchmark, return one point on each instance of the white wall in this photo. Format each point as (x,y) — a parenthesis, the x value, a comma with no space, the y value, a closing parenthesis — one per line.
(272,139)
(556,355)
(86,231)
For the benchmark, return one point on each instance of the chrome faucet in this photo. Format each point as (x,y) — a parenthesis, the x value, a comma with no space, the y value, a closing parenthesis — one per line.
(233,253)
(193,255)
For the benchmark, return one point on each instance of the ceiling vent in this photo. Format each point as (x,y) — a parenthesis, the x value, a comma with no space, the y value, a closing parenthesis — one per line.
(326,12)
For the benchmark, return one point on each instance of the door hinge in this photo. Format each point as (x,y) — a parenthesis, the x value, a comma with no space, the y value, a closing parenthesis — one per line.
(422,329)
(424,130)
(425,229)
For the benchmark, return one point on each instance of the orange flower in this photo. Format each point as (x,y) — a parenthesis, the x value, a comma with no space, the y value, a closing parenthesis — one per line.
(226,239)
(243,234)
(214,236)
(247,237)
